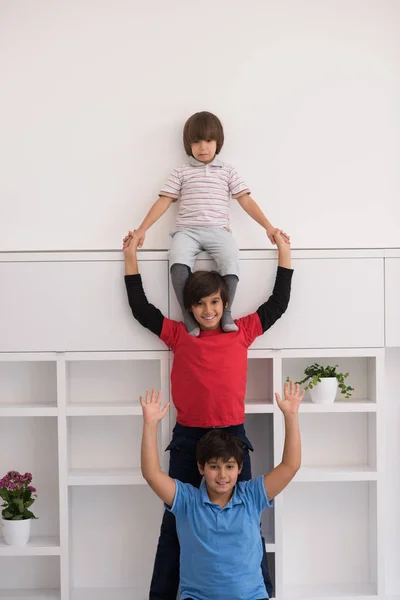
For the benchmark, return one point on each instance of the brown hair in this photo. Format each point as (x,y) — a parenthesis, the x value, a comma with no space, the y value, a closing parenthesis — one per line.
(202,126)
(218,443)
(201,284)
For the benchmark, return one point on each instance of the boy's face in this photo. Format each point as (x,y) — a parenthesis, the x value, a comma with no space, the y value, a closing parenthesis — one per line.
(208,311)
(204,150)
(220,476)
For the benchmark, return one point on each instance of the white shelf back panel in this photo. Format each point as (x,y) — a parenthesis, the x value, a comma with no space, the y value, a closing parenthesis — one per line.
(30,445)
(111,382)
(38,572)
(259,386)
(329,543)
(28,383)
(332,439)
(114,533)
(103,442)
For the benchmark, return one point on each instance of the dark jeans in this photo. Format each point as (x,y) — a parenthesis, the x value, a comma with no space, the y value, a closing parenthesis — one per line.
(183,466)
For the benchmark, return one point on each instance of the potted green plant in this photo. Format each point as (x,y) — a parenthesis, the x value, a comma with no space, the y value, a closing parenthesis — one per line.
(323,383)
(18,495)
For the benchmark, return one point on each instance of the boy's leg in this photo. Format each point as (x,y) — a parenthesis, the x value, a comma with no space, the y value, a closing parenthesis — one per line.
(227,322)
(184,249)
(179,275)
(245,475)
(221,245)
(183,466)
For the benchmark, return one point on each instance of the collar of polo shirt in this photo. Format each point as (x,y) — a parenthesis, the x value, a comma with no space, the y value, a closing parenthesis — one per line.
(216,162)
(236,499)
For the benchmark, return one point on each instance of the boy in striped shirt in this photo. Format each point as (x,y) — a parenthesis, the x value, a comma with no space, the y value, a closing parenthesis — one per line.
(204,186)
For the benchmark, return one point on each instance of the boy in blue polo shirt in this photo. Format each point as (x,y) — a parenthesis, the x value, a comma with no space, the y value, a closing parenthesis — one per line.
(218,525)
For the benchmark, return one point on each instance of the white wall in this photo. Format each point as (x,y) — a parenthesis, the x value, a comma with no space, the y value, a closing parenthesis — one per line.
(94,95)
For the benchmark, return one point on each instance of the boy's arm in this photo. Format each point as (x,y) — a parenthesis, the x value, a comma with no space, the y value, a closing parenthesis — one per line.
(159,207)
(254,211)
(148,315)
(163,485)
(277,303)
(278,478)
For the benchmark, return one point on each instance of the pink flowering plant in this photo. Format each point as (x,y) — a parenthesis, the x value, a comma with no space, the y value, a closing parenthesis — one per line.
(17,495)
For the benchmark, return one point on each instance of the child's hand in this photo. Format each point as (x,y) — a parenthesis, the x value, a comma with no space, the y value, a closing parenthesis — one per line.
(273,231)
(293,397)
(140,234)
(281,240)
(130,242)
(151,407)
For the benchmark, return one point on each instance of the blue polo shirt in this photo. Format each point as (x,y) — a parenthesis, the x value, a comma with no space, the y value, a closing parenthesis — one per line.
(221,548)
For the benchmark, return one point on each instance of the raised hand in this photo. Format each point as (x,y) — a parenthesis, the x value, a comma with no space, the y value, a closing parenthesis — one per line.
(292,398)
(151,407)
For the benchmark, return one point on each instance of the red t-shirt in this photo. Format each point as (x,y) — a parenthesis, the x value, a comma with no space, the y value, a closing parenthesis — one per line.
(208,378)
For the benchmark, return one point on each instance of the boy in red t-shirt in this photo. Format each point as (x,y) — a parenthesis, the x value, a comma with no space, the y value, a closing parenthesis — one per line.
(208,380)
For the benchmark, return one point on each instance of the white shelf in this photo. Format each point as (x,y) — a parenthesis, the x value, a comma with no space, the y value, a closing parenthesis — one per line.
(42,594)
(362,591)
(339,406)
(105,477)
(258,407)
(37,546)
(104,409)
(28,410)
(111,593)
(336,473)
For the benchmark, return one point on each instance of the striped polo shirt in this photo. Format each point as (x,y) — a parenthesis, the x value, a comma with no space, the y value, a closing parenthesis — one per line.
(204,192)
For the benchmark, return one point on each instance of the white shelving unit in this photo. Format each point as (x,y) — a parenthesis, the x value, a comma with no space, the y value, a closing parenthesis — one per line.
(72,417)
(80,412)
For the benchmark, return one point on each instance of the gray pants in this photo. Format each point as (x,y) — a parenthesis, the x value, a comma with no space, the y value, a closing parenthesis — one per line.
(188,242)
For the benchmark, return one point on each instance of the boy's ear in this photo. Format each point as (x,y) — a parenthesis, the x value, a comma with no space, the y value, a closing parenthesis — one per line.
(240,468)
(200,468)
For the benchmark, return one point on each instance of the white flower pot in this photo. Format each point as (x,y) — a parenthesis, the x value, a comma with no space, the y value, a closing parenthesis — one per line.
(325,391)
(16,533)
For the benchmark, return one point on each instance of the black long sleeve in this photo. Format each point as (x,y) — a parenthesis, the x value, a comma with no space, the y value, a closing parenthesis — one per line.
(277,303)
(148,315)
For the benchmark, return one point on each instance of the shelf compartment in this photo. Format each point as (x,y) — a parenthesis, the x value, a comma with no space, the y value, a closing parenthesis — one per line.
(37,546)
(102,442)
(332,550)
(110,383)
(33,577)
(107,526)
(27,385)
(259,430)
(362,377)
(339,440)
(259,387)
(34,445)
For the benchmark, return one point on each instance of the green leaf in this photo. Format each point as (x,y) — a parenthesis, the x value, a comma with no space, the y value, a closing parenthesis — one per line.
(28,515)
